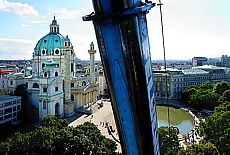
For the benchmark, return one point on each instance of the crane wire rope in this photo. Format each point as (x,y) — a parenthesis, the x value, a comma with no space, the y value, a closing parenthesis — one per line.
(165,70)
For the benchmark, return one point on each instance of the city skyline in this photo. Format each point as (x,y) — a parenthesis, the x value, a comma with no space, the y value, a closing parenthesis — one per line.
(192,28)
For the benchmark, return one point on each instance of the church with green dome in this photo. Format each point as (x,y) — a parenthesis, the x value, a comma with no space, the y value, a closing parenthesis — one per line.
(53,83)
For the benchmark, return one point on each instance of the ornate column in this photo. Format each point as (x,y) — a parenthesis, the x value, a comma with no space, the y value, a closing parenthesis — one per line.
(91,51)
(68,104)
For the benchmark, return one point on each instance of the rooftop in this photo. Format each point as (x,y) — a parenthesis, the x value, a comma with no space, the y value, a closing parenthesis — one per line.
(3,98)
(194,71)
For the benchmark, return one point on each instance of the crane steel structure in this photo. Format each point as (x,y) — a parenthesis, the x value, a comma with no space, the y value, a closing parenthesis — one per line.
(122,36)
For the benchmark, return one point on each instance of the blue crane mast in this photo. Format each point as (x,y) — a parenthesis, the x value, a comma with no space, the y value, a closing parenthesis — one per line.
(122,36)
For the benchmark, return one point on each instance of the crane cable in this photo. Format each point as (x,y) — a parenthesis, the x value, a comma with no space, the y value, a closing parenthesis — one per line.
(166,83)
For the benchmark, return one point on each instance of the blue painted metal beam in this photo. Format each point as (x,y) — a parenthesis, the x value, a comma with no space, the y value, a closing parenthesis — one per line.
(122,36)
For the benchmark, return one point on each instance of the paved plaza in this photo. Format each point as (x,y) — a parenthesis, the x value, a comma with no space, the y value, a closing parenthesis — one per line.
(102,118)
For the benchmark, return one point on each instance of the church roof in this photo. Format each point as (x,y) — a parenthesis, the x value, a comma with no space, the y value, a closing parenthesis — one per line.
(28,68)
(49,42)
(53,40)
(51,64)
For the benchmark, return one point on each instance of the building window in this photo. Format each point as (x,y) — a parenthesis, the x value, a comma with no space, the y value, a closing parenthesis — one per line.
(44,90)
(43,52)
(11,82)
(56,88)
(71,68)
(72,84)
(43,65)
(44,104)
(56,51)
(72,98)
(56,74)
(83,83)
(35,85)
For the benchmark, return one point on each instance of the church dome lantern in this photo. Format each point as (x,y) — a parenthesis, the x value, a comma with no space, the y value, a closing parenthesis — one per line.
(54,27)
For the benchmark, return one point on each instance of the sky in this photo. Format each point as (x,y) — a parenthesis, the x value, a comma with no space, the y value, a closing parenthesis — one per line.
(192,28)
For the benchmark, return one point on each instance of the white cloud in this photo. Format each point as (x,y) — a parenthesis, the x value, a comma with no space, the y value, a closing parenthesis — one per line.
(16,48)
(25,25)
(18,8)
(12,40)
(67,14)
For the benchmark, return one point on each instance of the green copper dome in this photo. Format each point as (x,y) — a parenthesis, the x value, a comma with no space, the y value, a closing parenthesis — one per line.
(53,41)
(48,43)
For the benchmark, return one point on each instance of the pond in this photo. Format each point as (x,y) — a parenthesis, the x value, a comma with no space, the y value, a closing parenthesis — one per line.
(178,118)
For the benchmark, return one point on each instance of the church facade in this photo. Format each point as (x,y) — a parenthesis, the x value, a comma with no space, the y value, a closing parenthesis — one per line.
(53,85)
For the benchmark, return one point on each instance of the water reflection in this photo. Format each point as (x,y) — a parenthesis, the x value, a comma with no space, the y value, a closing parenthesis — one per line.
(178,117)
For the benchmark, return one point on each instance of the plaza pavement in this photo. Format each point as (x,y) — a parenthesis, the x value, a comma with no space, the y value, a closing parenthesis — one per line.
(102,118)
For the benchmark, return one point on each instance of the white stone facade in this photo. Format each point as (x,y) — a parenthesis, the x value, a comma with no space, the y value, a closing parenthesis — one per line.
(178,80)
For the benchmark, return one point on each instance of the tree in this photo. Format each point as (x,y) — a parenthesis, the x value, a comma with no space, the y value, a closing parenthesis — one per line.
(28,111)
(21,90)
(205,95)
(53,121)
(168,139)
(200,149)
(203,98)
(206,85)
(221,87)
(2,92)
(54,136)
(187,92)
(225,96)
(216,128)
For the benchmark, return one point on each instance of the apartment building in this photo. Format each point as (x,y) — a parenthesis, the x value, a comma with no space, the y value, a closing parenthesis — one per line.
(10,106)
(197,61)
